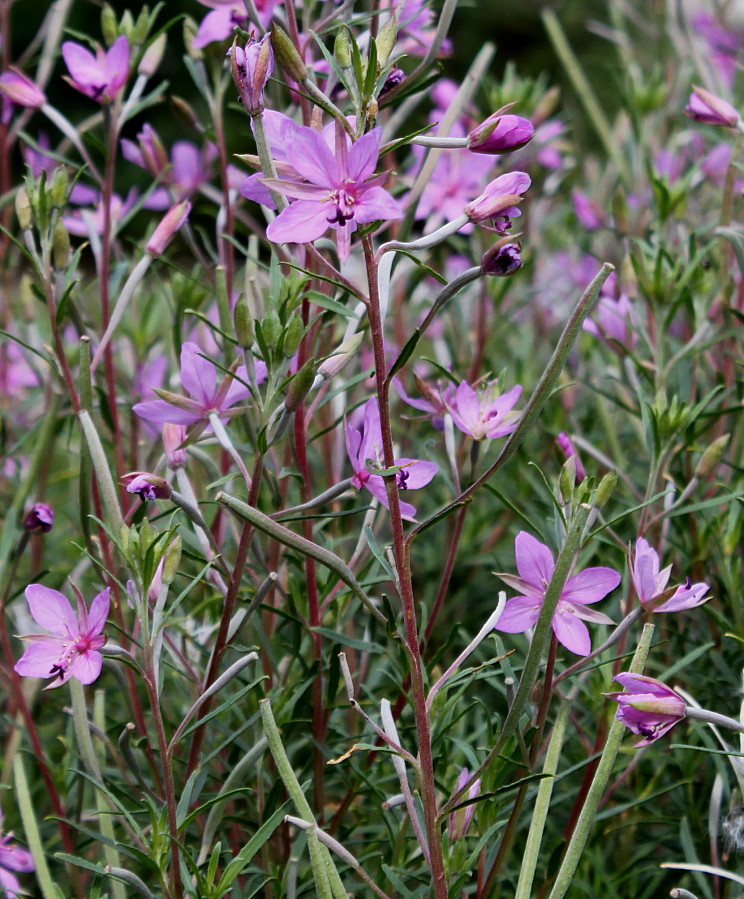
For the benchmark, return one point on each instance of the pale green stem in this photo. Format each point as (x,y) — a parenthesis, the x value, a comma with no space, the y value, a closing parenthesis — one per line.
(103,473)
(90,762)
(224,440)
(317,862)
(267,160)
(601,776)
(31,829)
(542,805)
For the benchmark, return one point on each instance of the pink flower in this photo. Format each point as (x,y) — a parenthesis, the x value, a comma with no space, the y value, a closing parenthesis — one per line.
(364,444)
(252,67)
(434,402)
(338,191)
(650,583)
(459,821)
(218,25)
(614,322)
(647,707)
(39,519)
(173,219)
(587,211)
(21,90)
(12,858)
(484,413)
(703,106)
(498,201)
(199,378)
(99,77)
(535,565)
(565,445)
(71,647)
(500,134)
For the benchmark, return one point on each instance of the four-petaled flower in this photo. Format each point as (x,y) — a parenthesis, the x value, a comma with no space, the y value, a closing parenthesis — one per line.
(647,707)
(364,444)
(71,647)
(535,565)
(99,77)
(198,377)
(12,858)
(339,191)
(484,413)
(650,583)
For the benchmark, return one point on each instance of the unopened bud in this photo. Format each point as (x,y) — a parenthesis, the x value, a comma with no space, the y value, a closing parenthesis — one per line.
(251,68)
(148,486)
(500,134)
(190,29)
(711,457)
(141,27)
(271,328)
(342,48)
(23,209)
(565,445)
(109,25)
(184,112)
(39,519)
(170,223)
(58,188)
(385,40)
(286,52)
(706,107)
(394,78)
(300,385)
(173,436)
(60,246)
(243,323)
(293,334)
(567,478)
(172,560)
(152,56)
(605,489)
(339,359)
(126,26)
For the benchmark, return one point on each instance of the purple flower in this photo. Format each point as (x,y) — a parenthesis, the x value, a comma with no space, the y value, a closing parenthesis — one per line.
(434,401)
(587,211)
(173,437)
(500,134)
(339,191)
(99,77)
(565,445)
(498,201)
(647,707)
(79,221)
(484,413)
(148,486)
(218,25)
(21,90)
(39,519)
(703,106)
(364,444)
(199,379)
(502,260)
(173,219)
(71,647)
(12,858)
(536,566)
(614,322)
(650,583)
(459,821)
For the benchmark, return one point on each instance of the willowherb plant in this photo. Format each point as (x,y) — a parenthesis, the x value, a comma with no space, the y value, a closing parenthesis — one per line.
(286,684)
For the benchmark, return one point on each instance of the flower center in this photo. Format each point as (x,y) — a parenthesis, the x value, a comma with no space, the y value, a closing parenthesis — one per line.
(343,207)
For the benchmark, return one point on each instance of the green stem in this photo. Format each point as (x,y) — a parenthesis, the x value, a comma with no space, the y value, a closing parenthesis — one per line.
(604,770)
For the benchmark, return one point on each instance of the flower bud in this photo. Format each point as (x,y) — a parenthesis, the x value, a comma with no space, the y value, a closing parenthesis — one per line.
(23,209)
(172,560)
(109,25)
(342,48)
(21,90)
(152,56)
(502,260)
(341,357)
(271,328)
(605,489)
(459,820)
(60,246)
(183,111)
(394,77)
(565,445)
(711,457)
(243,323)
(39,519)
(126,26)
(148,486)
(58,188)
(385,40)
(173,437)
(293,331)
(498,200)
(141,27)
(170,223)
(285,51)
(500,134)
(710,109)
(300,386)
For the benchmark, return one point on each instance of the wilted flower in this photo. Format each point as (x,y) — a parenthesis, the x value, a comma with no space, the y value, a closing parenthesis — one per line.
(99,77)
(71,647)
(703,106)
(364,444)
(39,518)
(500,134)
(485,412)
(650,582)
(498,201)
(535,565)
(252,66)
(12,858)
(648,707)
(20,89)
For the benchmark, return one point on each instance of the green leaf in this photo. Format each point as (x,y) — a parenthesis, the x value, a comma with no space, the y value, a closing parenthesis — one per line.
(247,853)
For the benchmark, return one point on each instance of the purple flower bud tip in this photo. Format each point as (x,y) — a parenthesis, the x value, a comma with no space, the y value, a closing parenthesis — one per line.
(21,90)
(647,706)
(500,134)
(252,67)
(39,519)
(503,260)
(394,78)
(149,487)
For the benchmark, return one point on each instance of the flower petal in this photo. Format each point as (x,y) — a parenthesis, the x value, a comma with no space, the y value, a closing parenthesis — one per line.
(98,613)
(52,610)
(520,614)
(198,375)
(313,159)
(534,560)
(301,222)
(590,585)
(40,659)
(363,155)
(417,473)
(570,631)
(86,666)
